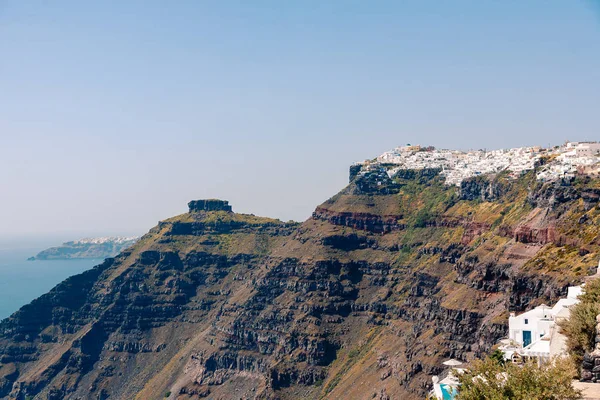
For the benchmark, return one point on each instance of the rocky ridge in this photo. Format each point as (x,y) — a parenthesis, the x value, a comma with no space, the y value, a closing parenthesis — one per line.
(364,300)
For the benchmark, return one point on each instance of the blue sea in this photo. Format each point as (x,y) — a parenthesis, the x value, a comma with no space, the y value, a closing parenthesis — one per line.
(21,281)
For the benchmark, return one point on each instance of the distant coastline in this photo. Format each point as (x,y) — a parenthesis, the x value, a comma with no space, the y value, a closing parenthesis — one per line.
(88,248)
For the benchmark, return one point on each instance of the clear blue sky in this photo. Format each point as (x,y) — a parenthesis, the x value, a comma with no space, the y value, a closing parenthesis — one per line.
(113,114)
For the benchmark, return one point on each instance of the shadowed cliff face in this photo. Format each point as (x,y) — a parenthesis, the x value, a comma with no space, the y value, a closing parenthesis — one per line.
(364,299)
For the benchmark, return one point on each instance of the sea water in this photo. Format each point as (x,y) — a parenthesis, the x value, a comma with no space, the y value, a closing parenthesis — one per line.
(21,281)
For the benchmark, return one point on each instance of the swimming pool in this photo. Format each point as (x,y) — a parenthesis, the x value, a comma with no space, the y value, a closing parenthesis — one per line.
(448,392)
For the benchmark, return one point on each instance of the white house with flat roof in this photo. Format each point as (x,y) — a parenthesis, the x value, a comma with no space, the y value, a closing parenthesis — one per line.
(535,334)
(530,326)
(587,149)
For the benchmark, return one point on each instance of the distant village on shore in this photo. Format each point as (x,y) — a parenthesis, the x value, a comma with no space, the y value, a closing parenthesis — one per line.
(90,248)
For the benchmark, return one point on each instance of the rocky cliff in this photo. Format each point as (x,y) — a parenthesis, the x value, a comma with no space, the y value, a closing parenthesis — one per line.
(364,300)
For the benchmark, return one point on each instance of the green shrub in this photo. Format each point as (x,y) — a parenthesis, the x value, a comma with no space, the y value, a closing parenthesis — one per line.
(498,356)
(580,328)
(489,380)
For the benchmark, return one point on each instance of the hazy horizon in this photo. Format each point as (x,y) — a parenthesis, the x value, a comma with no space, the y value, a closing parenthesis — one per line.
(115,115)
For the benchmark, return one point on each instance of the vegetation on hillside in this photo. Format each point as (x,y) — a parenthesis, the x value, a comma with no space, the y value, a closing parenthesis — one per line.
(580,329)
(491,380)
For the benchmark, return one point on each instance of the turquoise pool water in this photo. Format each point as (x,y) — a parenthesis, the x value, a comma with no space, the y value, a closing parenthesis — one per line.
(448,392)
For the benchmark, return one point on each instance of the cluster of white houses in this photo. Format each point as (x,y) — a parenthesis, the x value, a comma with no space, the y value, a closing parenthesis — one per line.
(106,239)
(456,165)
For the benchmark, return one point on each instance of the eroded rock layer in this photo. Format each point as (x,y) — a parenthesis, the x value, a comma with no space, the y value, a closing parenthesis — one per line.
(364,300)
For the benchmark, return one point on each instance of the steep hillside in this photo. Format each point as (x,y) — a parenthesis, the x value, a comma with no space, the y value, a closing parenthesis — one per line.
(365,299)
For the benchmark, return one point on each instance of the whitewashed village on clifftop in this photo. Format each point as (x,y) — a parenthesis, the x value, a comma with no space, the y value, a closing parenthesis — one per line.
(558,162)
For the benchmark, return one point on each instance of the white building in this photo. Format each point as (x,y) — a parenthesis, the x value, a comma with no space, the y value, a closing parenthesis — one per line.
(587,149)
(535,334)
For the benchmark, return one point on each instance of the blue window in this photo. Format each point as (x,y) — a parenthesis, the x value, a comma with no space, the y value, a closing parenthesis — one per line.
(526,321)
(526,338)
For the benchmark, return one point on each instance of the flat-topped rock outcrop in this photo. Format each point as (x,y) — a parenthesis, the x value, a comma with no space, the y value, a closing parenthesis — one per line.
(209,205)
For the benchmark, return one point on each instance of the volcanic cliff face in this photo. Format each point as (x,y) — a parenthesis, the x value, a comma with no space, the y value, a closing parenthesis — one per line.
(365,299)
